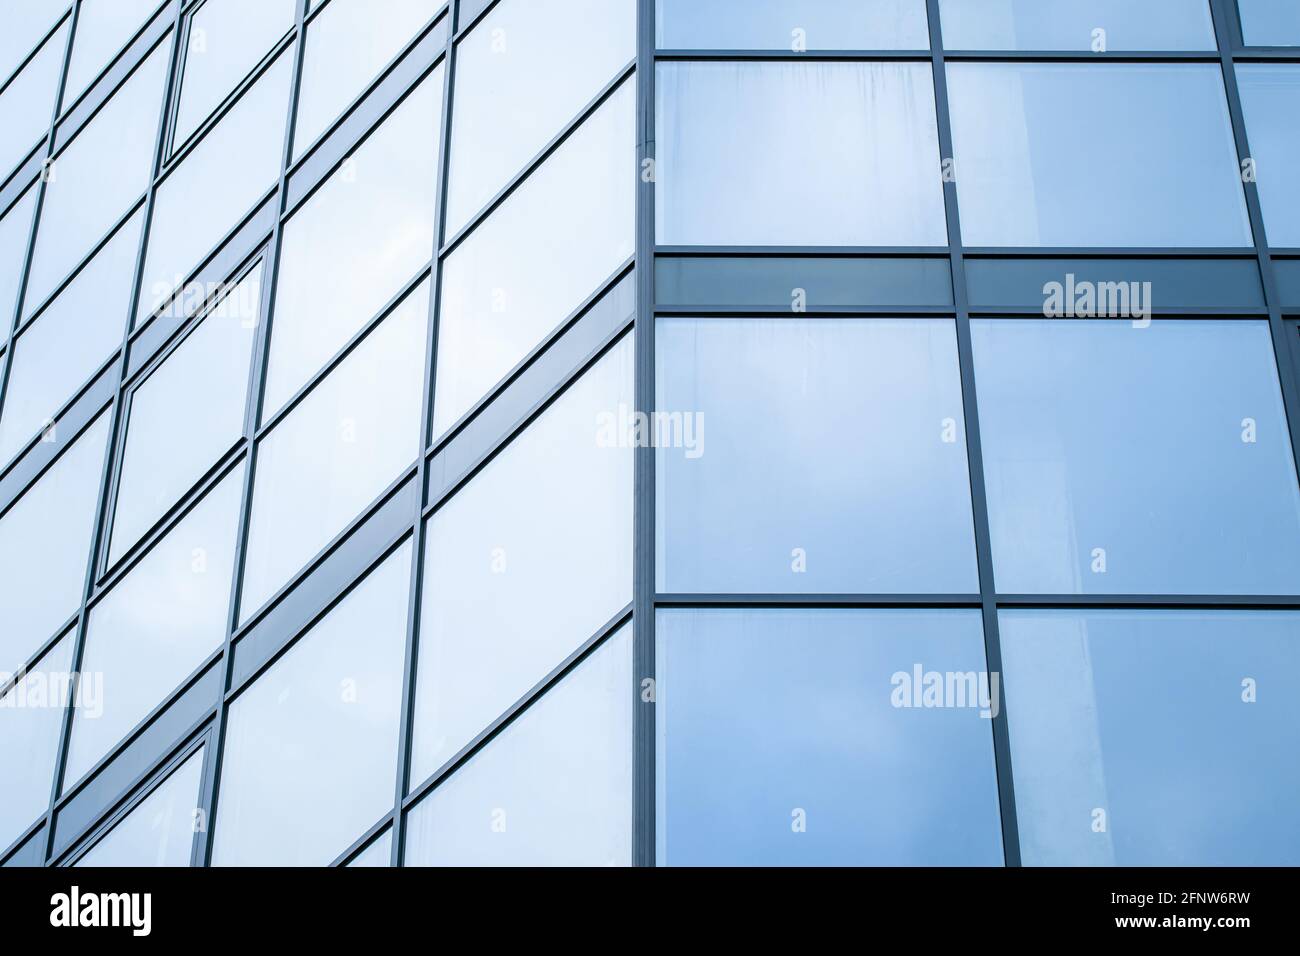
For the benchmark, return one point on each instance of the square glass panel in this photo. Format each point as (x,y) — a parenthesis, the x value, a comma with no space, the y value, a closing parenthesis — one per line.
(159,831)
(44,546)
(1270,100)
(31,719)
(796,26)
(824,737)
(500,297)
(1120,460)
(365,233)
(854,148)
(227,38)
(186,414)
(1154,738)
(553,788)
(525,563)
(311,747)
(333,455)
(1018,186)
(347,46)
(1101,26)
(811,455)
(515,92)
(157,625)
(97,177)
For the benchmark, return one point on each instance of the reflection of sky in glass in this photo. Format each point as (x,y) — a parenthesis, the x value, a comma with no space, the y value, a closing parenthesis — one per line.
(761,713)
(1099,435)
(1270,99)
(770,25)
(1069,24)
(853,146)
(1140,714)
(1037,163)
(826,435)
(1270,22)
(160,830)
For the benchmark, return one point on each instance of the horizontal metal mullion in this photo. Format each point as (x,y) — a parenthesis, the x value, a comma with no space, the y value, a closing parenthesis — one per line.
(1151,601)
(679,600)
(800,252)
(824,312)
(1031,312)
(776,55)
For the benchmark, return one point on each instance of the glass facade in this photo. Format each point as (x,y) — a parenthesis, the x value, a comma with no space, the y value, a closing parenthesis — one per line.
(649,432)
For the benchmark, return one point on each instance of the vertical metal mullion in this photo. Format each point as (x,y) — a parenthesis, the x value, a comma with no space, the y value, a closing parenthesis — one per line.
(201,852)
(975,455)
(11,334)
(97,543)
(643,485)
(406,729)
(1223,28)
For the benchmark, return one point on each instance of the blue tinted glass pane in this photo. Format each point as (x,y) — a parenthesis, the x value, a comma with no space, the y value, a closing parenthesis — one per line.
(1270,22)
(186,414)
(160,830)
(15,229)
(525,563)
(853,146)
(1270,98)
(379,853)
(1177,729)
(1020,186)
(811,455)
(1117,459)
(1096,25)
(97,177)
(554,788)
(28,101)
(31,718)
(103,27)
(783,25)
(44,545)
(824,737)
(157,626)
(70,340)
(311,749)
(25,25)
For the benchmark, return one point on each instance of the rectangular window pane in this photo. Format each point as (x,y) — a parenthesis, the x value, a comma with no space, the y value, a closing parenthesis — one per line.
(854,147)
(157,625)
(501,294)
(15,230)
(71,339)
(1270,22)
(1270,99)
(160,830)
(337,451)
(1097,25)
(27,103)
(798,26)
(526,562)
(347,46)
(311,747)
(1018,186)
(31,719)
(97,177)
(554,788)
(811,455)
(1178,729)
(1117,459)
(806,738)
(44,546)
(230,169)
(186,414)
(103,28)
(514,93)
(357,241)
(227,39)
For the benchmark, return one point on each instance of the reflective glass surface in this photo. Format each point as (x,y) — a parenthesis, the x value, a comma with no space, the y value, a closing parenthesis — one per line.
(797,26)
(1100,26)
(1270,100)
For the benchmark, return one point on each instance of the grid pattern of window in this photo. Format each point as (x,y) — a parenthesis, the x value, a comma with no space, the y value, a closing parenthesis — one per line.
(649,432)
